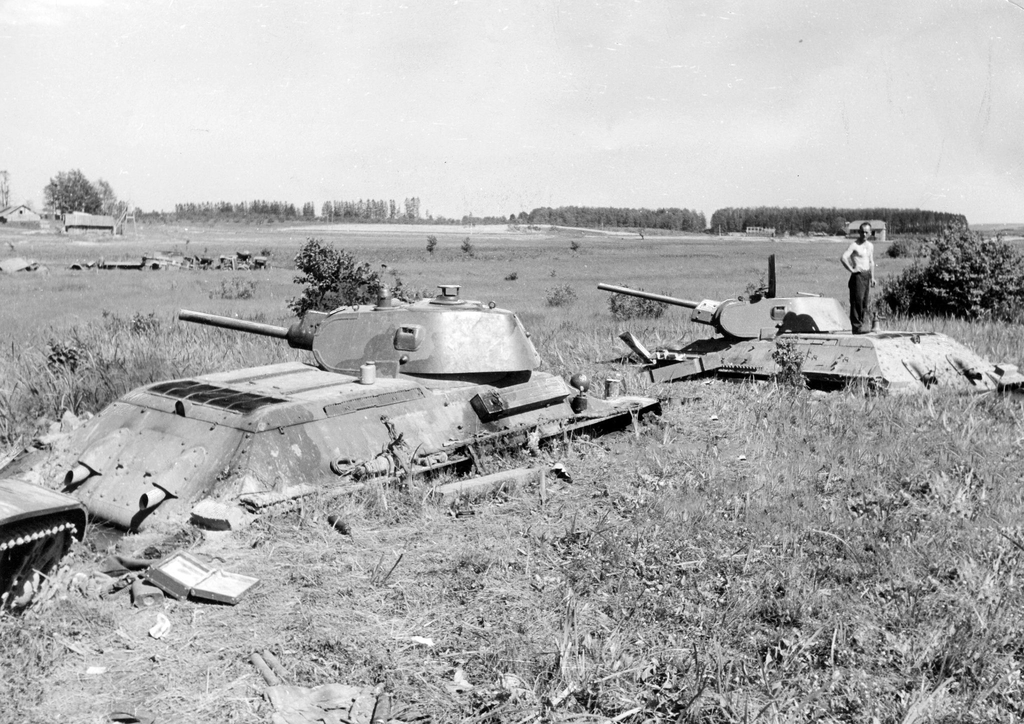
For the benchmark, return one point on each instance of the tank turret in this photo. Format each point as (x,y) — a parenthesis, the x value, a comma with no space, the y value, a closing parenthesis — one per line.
(445,337)
(762,316)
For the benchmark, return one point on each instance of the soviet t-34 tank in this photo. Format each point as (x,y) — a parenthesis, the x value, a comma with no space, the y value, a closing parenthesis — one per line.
(749,332)
(397,389)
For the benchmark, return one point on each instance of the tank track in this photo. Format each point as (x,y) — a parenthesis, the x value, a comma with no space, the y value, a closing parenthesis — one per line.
(29,550)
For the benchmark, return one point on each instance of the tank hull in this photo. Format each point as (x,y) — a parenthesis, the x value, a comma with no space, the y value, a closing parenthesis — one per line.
(154,454)
(893,362)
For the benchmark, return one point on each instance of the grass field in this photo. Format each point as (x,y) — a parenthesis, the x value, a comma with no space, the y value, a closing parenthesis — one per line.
(757,554)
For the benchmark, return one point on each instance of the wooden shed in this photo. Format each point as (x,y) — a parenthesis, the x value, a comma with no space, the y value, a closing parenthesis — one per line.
(81,221)
(21,216)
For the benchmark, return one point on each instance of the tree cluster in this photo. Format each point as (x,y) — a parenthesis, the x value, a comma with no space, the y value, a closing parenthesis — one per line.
(471,219)
(242,211)
(810,220)
(371,210)
(70,191)
(671,219)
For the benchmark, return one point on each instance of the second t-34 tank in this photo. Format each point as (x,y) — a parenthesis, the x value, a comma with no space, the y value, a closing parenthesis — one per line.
(398,389)
(753,334)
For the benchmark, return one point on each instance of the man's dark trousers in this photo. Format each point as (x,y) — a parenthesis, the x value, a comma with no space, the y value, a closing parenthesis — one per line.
(860,288)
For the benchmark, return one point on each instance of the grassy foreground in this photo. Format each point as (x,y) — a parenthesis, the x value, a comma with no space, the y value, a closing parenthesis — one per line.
(757,554)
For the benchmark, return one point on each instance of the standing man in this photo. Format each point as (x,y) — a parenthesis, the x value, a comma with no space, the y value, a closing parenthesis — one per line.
(859,260)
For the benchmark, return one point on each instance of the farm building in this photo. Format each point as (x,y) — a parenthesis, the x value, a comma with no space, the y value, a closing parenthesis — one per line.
(21,216)
(760,231)
(877,228)
(80,221)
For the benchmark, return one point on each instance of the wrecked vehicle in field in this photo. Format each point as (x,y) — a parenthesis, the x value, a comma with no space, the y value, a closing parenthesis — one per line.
(398,389)
(815,332)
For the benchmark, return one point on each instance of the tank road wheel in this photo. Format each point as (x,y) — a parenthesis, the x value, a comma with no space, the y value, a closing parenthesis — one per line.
(23,566)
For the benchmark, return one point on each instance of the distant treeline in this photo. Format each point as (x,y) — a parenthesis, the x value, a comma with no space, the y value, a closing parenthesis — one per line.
(385,211)
(671,219)
(368,210)
(810,220)
(793,220)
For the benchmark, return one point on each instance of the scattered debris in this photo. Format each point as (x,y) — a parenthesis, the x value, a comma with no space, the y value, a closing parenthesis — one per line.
(147,261)
(241,261)
(128,714)
(326,703)
(459,683)
(339,524)
(216,515)
(18,264)
(381,710)
(266,671)
(559,471)
(145,596)
(280,500)
(183,575)
(161,628)
(506,481)
(116,566)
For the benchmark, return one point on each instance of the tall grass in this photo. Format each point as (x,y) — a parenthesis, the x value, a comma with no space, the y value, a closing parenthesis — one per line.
(83,368)
(799,556)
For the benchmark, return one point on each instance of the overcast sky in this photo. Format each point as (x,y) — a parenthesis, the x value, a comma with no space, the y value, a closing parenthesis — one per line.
(495,108)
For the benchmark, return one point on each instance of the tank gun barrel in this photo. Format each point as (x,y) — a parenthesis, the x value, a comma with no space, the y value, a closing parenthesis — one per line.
(295,335)
(689,304)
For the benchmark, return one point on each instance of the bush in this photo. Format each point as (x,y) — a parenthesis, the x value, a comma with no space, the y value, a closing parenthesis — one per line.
(511,277)
(574,245)
(333,279)
(900,292)
(64,355)
(563,296)
(467,247)
(431,244)
(907,248)
(756,290)
(624,306)
(790,361)
(139,324)
(965,276)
